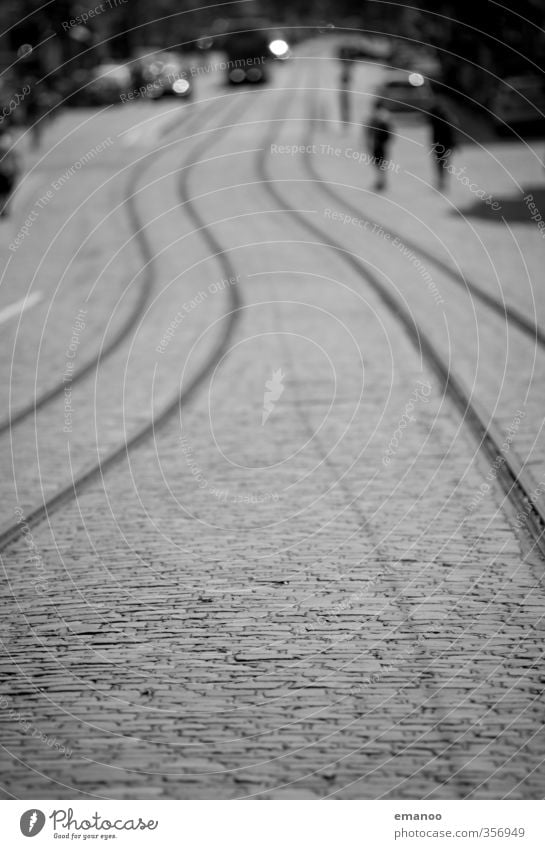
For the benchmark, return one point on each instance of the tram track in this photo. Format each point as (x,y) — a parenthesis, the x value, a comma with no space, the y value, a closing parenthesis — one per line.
(222,254)
(71,491)
(517,484)
(516,481)
(461,278)
(128,202)
(365,524)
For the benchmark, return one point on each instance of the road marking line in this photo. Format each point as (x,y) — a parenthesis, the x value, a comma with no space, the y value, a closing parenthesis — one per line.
(19,306)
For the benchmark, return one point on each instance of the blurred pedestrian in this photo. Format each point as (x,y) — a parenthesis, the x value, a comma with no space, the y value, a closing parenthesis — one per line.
(39,105)
(379,136)
(443,140)
(345,84)
(9,169)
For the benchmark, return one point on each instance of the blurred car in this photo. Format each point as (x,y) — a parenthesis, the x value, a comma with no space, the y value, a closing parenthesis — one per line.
(364,47)
(520,100)
(162,74)
(108,82)
(248,56)
(406,92)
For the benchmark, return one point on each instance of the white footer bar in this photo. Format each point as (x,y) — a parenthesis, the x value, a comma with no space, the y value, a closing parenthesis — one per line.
(275,824)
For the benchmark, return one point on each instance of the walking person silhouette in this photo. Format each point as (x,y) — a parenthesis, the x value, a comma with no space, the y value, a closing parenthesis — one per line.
(379,136)
(10,167)
(345,82)
(443,140)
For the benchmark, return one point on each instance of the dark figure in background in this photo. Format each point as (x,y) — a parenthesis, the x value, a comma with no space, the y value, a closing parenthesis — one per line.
(443,140)
(345,82)
(9,170)
(379,135)
(39,106)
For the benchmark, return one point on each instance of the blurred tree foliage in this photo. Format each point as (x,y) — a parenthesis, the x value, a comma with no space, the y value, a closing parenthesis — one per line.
(506,33)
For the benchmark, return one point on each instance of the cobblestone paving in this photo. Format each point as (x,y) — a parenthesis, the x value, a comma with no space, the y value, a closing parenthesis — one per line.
(67,438)
(501,250)
(276,597)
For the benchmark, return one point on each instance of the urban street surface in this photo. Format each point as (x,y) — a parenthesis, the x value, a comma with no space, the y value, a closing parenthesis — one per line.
(277,559)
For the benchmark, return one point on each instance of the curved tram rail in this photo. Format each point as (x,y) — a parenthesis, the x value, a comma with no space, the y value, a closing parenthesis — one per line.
(138,228)
(516,481)
(72,490)
(506,311)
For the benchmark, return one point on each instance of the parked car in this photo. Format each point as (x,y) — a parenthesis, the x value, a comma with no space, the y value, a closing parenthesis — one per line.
(162,74)
(108,82)
(248,57)
(406,91)
(364,47)
(519,100)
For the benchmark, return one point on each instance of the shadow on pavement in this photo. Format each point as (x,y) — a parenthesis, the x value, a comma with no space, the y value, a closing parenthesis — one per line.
(514,210)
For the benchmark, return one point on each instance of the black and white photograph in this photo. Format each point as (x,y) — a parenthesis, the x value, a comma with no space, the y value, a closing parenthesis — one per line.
(272,445)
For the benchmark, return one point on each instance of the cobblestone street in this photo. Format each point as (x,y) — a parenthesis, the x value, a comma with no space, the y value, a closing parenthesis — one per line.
(277,559)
